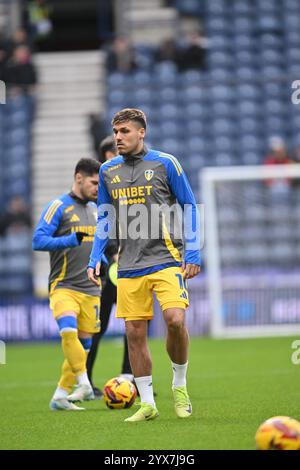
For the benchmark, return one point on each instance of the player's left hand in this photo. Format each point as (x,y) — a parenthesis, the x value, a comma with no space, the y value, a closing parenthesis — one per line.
(94,274)
(190,270)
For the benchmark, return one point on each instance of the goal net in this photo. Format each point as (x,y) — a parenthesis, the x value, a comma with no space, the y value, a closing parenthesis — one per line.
(252,249)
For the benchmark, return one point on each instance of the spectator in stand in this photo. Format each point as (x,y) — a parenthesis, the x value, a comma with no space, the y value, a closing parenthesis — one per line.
(19,71)
(20,38)
(39,19)
(16,217)
(121,56)
(278,156)
(192,54)
(4,54)
(167,52)
(296,155)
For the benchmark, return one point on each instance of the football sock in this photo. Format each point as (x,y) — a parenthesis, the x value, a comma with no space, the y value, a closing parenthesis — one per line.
(127,377)
(179,374)
(67,379)
(145,388)
(74,352)
(60,393)
(83,379)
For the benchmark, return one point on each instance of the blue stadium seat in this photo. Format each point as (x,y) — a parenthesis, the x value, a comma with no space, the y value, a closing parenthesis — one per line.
(191,77)
(242,41)
(244,73)
(168,111)
(221,59)
(195,127)
(196,110)
(222,109)
(216,7)
(243,7)
(246,58)
(221,74)
(166,94)
(249,125)
(291,21)
(224,127)
(142,78)
(194,93)
(243,24)
(248,91)
(222,92)
(117,96)
(170,129)
(217,24)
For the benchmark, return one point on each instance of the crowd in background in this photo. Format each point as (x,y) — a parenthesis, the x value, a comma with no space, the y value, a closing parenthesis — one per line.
(187,54)
(16,67)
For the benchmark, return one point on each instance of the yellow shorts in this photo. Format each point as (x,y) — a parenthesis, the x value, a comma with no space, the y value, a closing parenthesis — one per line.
(135,300)
(86,307)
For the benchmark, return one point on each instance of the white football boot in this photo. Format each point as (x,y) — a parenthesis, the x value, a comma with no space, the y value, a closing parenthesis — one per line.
(83,392)
(61,404)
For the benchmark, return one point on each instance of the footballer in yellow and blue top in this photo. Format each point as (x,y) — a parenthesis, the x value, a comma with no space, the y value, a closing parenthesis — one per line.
(57,232)
(149,179)
(66,229)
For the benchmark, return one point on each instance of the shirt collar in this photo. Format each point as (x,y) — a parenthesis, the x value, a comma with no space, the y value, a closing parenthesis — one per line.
(137,156)
(78,199)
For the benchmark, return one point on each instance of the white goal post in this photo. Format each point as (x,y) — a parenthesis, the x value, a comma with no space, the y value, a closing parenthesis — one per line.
(252,249)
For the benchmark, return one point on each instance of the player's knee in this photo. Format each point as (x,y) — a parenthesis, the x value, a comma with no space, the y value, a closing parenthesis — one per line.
(67,324)
(175,322)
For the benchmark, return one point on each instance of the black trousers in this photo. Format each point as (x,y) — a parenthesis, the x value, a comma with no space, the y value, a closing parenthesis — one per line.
(108,298)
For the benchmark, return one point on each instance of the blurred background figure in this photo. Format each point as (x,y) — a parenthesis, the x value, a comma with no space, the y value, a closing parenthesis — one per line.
(192,54)
(16,217)
(97,130)
(121,57)
(39,19)
(167,51)
(20,73)
(107,149)
(278,155)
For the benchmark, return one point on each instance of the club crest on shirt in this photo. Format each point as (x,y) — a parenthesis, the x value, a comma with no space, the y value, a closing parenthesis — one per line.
(149,174)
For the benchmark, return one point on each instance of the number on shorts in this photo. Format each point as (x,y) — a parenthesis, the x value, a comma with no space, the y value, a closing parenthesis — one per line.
(182,282)
(96,307)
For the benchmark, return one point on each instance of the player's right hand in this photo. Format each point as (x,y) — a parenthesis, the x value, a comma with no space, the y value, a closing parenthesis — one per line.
(94,274)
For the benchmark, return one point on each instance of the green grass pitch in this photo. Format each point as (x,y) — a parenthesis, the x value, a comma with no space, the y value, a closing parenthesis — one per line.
(234,386)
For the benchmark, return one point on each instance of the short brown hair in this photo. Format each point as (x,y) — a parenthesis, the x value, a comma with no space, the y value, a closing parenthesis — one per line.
(87,167)
(130,114)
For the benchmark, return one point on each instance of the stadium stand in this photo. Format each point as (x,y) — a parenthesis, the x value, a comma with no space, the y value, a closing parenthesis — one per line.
(226,115)
(242,99)
(15,159)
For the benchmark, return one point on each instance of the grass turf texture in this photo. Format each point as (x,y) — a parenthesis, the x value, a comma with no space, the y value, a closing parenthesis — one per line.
(234,386)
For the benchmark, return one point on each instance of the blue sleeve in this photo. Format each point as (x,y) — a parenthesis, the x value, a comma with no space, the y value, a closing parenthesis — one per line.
(43,237)
(182,190)
(105,221)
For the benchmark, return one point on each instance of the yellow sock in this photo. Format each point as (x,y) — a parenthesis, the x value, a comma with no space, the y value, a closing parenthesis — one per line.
(74,352)
(67,379)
